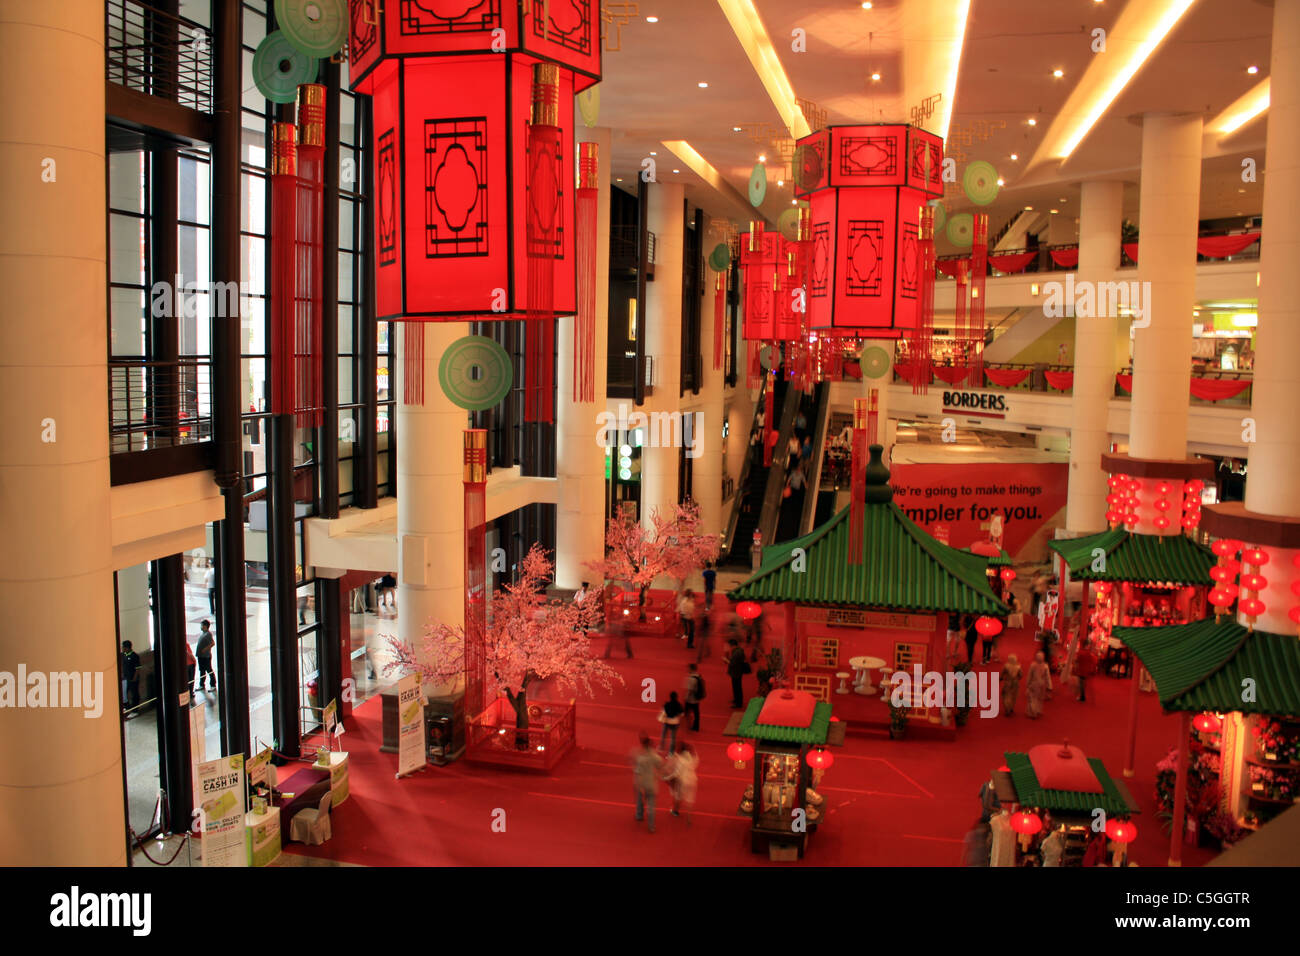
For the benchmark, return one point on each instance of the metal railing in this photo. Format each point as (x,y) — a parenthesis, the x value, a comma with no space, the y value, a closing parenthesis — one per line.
(158,404)
(158,53)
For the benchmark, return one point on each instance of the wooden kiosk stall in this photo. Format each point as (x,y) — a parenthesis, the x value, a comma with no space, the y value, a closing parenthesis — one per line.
(886,612)
(790,730)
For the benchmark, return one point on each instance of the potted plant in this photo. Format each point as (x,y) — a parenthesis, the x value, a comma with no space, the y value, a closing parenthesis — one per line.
(1225,829)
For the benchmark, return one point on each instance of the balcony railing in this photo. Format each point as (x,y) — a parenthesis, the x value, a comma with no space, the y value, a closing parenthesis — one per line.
(494,737)
(158,53)
(156,405)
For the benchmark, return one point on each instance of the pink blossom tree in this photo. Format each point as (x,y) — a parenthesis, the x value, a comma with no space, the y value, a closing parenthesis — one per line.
(674,547)
(529,638)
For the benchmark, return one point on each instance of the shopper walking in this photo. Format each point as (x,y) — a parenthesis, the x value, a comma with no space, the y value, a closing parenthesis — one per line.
(1010,681)
(646,764)
(203,652)
(616,625)
(1085,665)
(710,576)
(972,635)
(986,646)
(705,647)
(1037,685)
(670,717)
(130,679)
(737,668)
(686,611)
(694,694)
(683,779)
(210,582)
(1038,584)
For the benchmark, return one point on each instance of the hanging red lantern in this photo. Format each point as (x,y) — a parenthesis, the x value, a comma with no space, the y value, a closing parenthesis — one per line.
(1007,575)
(739,752)
(1113,499)
(1162,504)
(748,610)
(1026,822)
(1114,481)
(820,759)
(1104,588)
(1219,573)
(1233,565)
(1255,556)
(1295,587)
(988,626)
(1121,831)
(1131,519)
(1254,582)
(1189,522)
(1207,723)
(1294,614)
(1225,546)
(1196,485)
(1219,597)
(1231,590)
(1114,517)
(1251,607)
(1163,487)
(1161,522)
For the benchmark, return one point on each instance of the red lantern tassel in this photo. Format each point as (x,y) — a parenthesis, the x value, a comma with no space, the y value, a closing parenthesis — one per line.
(719,317)
(475,480)
(960,333)
(309,401)
(979,270)
(769,403)
(858,484)
(584,331)
(545,185)
(922,353)
(284,214)
(413,363)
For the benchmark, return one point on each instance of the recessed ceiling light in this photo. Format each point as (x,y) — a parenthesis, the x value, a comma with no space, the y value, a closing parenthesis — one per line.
(1032,122)
(1014,157)
(702,85)
(677,170)
(866,4)
(763,158)
(1058,73)
(1054,211)
(875,77)
(735,129)
(1241,190)
(653,153)
(781,182)
(1029,209)
(1001,181)
(1252,70)
(619,179)
(651,19)
(795,202)
(1063,199)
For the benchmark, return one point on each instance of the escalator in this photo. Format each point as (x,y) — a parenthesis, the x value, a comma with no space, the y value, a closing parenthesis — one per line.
(752,487)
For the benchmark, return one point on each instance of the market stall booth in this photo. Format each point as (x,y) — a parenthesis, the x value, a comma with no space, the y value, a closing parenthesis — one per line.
(1236,763)
(865,619)
(1050,799)
(785,734)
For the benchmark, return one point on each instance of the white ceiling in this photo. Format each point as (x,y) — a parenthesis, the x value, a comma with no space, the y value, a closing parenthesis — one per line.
(649,93)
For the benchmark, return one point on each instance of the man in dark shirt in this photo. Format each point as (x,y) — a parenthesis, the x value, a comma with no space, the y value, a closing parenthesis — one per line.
(130,678)
(710,582)
(203,654)
(737,667)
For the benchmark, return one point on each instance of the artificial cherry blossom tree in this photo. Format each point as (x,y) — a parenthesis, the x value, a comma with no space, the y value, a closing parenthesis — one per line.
(674,547)
(529,638)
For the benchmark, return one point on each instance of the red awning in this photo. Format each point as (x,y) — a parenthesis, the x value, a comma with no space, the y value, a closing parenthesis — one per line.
(952,374)
(1065,258)
(1061,381)
(1216,247)
(1131,250)
(1007,377)
(949,266)
(1012,262)
(1217,389)
(1125,381)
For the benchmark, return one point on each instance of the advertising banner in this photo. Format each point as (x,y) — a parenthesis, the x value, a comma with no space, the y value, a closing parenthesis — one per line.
(221,796)
(411,753)
(257,768)
(963,501)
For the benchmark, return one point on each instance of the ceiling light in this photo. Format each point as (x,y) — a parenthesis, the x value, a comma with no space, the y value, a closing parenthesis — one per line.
(677,170)
(1252,70)
(735,129)
(956,15)
(794,202)
(875,77)
(619,179)
(866,4)
(651,19)
(1242,111)
(653,153)
(781,182)
(702,85)
(1245,320)
(762,158)
(1029,209)
(1014,157)
(748,27)
(1001,181)
(1063,199)
(1141,28)
(1031,121)
(1058,73)
(1054,211)
(1241,190)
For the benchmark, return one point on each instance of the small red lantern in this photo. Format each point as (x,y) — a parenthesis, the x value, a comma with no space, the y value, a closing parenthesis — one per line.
(1121,831)
(1295,587)
(1231,589)
(1114,481)
(1196,485)
(1219,573)
(1294,614)
(1254,582)
(1113,517)
(1104,587)
(1134,501)
(1207,723)
(1112,499)
(1219,597)
(1251,607)
(1233,565)
(1026,822)
(748,610)
(1255,556)
(1189,522)
(1131,518)
(988,626)
(1007,575)
(1225,546)
(1162,504)
(820,759)
(1163,487)
(1161,522)
(739,752)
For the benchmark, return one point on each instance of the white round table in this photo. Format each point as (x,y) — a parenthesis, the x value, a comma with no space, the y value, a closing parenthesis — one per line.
(863,666)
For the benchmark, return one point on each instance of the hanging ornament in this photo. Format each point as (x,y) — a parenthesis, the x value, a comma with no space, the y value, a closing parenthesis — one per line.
(961,230)
(584,327)
(474,372)
(318,28)
(279,68)
(757,185)
(589,106)
(980,182)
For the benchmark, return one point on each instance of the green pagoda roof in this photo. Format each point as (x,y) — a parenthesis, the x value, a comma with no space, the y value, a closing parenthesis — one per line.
(1174,558)
(814,733)
(1203,666)
(902,568)
(1030,793)
(1002,560)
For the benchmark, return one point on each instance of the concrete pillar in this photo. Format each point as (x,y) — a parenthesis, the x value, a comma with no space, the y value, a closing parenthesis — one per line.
(580,461)
(1100,219)
(663,332)
(1275,456)
(430,496)
(707,466)
(1162,350)
(61,799)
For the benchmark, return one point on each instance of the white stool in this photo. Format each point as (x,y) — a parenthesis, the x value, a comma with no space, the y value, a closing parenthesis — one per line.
(844,687)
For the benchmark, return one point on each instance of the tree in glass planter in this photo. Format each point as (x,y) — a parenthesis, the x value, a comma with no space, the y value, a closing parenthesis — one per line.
(529,638)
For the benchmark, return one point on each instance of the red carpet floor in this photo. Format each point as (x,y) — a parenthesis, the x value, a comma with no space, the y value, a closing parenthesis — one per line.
(890,803)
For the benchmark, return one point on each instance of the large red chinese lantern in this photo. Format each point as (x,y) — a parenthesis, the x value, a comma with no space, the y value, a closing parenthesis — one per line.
(474,170)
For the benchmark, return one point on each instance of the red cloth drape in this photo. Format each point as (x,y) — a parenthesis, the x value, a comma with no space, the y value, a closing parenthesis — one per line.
(719,318)
(544,146)
(1131,250)
(1125,381)
(1216,247)
(952,374)
(584,322)
(1012,262)
(1217,389)
(284,261)
(905,371)
(413,363)
(1065,258)
(475,570)
(1061,381)
(1006,377)
(948,266)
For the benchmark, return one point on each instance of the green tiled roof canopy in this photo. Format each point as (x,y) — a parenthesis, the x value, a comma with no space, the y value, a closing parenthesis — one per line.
(1031,794)
(1201,666)
(814,733)
(1175,558)
(1003,560)
(902,568)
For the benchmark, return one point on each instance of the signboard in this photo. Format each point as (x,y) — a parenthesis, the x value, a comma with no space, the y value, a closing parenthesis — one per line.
(854,617)
(330,716)
(264,838)
(220,794)
(257,768)
(976,404)
(411,754)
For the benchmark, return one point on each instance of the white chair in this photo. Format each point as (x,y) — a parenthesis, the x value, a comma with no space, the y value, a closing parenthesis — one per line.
(313,826)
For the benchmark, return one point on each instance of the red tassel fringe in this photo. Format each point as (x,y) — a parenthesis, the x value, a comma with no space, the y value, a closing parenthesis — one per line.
(413,363)
(584,329)
(539,369)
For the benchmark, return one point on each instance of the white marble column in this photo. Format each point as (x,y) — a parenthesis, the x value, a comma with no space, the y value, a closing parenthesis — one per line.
(61,790)
(430,499)
(707,466)
(1100,219)
(1162,350)
(580,461)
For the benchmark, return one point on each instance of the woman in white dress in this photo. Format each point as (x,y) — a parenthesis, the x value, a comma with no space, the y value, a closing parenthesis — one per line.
(683,778)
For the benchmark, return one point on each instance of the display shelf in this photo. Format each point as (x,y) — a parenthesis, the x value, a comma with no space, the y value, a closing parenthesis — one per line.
(1286,765)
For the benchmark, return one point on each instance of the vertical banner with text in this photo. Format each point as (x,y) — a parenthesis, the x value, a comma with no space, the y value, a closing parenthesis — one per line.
(221,795)
(411,754)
